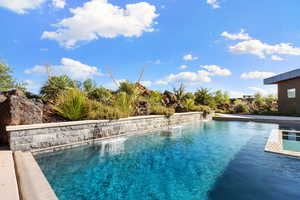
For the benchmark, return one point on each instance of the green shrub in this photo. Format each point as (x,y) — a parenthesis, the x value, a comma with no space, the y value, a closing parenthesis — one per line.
(202,108)
(189,104)
(102,95)
(204,97)
(72,104)
(154,98)
(240,107)
(124,102)
(161,110)
(128,88)
(98,111)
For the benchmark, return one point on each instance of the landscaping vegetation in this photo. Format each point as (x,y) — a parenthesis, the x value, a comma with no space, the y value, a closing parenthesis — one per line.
(75,100)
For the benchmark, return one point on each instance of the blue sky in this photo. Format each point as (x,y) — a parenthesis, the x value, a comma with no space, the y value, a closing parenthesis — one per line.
(225,44)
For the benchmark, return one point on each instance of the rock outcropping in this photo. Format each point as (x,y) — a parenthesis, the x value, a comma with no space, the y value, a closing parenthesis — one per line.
(17,109)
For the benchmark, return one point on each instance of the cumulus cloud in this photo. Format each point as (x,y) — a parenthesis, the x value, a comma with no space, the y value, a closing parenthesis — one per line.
(263,91)
(70,67)
(21,6)
(216,70)
(59,3)
(146,83)
(277,58)
(213,3)
(189,57)
(189,78)
(99,18)
(257,75)
(236,36)
(194,78)
(260,49)
(183,66)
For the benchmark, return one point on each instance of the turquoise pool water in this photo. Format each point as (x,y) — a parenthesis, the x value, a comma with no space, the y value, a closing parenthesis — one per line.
(211,160)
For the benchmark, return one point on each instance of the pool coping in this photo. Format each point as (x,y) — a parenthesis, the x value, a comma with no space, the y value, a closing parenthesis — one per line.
(275,144)
(256,118)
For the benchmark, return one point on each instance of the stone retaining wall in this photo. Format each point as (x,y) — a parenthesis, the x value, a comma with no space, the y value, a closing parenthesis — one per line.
(52,135)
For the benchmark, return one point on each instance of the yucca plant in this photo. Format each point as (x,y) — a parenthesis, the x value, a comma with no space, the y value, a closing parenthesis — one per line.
(55,86)
(72,104)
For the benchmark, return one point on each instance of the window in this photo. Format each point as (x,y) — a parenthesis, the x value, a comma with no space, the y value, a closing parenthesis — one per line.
(291,93)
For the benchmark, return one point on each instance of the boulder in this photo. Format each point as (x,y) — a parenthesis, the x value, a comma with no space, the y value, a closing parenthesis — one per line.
(169,98)
(17,109)
(142,108)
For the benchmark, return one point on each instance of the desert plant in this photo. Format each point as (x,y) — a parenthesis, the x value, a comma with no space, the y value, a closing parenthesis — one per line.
(128,88)
(180,92)
(55,85)
(161,110)
(204,97)
(88,85)
(189,104)
(124,102)
(102,95)
(240,107)
(72,104)
(98,111)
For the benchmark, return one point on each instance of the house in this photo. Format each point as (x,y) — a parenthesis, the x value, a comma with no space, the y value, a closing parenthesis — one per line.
(288,91)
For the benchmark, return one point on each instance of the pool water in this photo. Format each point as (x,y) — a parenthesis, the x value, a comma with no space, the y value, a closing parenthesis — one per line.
(210,160)
(291,141)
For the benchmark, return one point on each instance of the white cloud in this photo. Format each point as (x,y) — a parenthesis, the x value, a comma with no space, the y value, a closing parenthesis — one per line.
(59,3)
(236,94)
(113,85)
(21,6)
(213,3)
(236,36)
(98,18)
(183,66)
(260,49)
(146,83)
(216,70)
(189,57)
(70,67)
(277,58)
(263,91)
(189,78)
(257,75)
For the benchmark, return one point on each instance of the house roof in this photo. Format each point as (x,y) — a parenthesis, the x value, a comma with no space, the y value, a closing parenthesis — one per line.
(282,77)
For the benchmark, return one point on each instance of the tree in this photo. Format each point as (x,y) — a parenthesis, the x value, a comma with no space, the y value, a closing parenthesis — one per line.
(221,98)
(6,80)
(204,97)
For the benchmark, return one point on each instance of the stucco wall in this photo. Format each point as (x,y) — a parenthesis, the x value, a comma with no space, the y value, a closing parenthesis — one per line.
(289,105)
(52,135)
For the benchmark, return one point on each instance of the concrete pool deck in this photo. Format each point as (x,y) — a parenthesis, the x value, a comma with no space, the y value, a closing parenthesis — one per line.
(22,179)
(256,118)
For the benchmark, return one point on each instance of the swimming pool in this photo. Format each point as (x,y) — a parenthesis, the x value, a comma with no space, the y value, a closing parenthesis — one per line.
(211,160)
